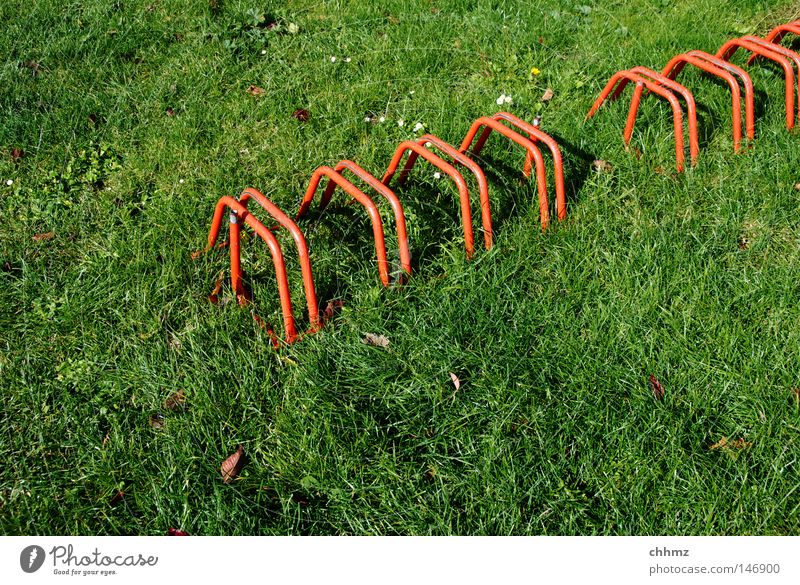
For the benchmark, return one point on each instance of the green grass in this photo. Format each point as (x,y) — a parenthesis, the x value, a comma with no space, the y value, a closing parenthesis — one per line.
(692,278)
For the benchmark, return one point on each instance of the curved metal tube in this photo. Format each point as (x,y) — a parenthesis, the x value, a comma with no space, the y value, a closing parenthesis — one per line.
(490,124)
(625,77)
(386,193)
(483,187)
(535,133)
(239,213)
(675,87)
(375,216)
(442,165)
(776,35)
(302,249)
(771,52)
(679,62)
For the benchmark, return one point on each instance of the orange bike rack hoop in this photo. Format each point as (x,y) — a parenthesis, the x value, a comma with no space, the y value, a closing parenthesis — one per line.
(725,71)
(775,36)
(625,77)
(375,216)
(448,169)
(302,249)
(429,140)
(676,88)
(775,53)
(533,153)
(386,193)
(240,213)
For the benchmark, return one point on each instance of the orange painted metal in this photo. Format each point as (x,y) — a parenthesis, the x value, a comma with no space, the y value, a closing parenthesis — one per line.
(533,153)
(386,193)
(677,88)
(302,249)
(726,71)
(374,214)
(776,35)
(239,213)
(448,169)
(537,135)
(623,78)
(781,56)
(429,140)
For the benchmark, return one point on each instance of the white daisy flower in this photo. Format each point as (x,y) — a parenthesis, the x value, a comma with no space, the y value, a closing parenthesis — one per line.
(419,126)
(382,119)
(501,100)
(9,182)
(437,175)
(347,60)
(333,59)
(401,123)
(507,100)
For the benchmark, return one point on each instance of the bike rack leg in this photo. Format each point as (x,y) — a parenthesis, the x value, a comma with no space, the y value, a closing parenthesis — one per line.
(625,77)
(488,125)
(442,165)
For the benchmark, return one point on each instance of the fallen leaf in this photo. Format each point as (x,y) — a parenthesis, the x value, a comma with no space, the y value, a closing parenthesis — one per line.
(170,112)
(214,296)
(541,40)
(232,465)
(255,90)
(157,420)
(430,474)
(725,444)
(301,114)
(375,340)
(456,381)
(117,498)
(797,186)
(796,395)
(17,154)
(33,66)
(107,438)
(744,242)
(176,532)
(176,400)
(548,95)
(331,308)
(602,166)
(658,389)
(43,237)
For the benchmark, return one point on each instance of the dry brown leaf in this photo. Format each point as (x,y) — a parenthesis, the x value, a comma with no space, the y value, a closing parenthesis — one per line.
(116,498)
(548,95)
(658,389)
(176,400)
(376,340)
(255,90)
(456,381)
(33,66)
(43,237)
(232,465)
(796,395)
(744,242)
(214,296)
(331,308)
(17,154)
(725,444)
(170,112)
(301,114)
(157,420)
(797,186)
(107,438)
(602,166)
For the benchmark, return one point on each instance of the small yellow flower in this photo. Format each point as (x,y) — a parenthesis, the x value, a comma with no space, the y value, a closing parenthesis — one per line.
(535,71)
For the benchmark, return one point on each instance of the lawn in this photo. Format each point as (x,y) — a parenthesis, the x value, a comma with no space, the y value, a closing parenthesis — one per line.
(514,395)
